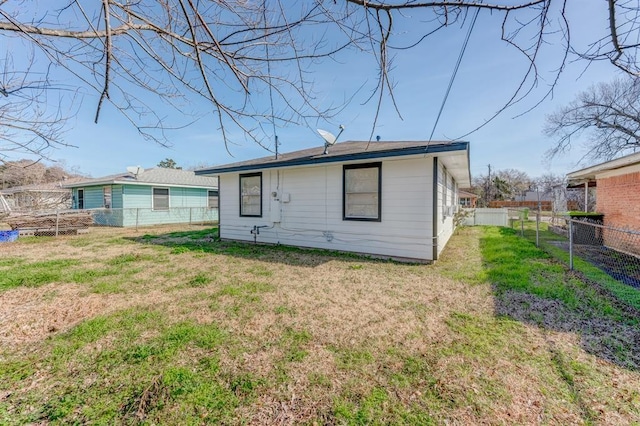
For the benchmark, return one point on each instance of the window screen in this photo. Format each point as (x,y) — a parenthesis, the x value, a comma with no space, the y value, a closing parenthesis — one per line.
(106,195)
(361,196)
(251,194)
(160,198)
(81,199)
(212,199)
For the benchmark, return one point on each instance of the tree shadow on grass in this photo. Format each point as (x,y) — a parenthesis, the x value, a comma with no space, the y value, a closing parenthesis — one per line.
(208,241)
(534,288)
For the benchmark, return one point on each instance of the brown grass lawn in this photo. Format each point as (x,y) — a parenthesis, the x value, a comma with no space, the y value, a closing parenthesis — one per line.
(124,327)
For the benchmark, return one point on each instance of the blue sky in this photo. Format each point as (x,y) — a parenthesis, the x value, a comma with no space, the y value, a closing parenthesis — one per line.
(489,73)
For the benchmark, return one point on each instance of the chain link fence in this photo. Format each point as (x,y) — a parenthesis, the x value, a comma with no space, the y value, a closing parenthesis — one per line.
(73,222)
(616,251)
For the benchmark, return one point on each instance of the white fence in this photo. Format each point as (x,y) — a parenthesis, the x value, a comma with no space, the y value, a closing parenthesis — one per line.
(495,217)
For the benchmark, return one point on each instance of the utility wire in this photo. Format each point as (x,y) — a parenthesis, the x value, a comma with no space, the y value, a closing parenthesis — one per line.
(455,71)
(273,121)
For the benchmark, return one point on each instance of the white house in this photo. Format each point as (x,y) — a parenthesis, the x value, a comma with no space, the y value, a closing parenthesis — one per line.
(389,199)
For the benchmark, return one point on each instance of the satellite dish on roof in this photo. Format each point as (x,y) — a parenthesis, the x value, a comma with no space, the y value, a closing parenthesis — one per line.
(329,138)
(135,170)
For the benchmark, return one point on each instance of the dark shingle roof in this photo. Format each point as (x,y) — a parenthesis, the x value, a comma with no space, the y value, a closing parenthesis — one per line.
(344,151)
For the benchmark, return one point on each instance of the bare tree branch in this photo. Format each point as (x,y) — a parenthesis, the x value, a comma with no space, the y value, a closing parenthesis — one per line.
(140,57)
(608,113)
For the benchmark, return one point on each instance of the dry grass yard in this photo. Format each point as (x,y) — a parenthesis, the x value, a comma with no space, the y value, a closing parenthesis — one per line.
(164,327)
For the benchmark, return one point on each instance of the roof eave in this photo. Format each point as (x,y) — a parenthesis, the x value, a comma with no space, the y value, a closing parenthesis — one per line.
(367,155)
(591,171)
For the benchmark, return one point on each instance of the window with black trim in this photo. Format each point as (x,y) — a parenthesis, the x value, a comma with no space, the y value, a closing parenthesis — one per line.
(106,197)
(251,194)
(361,191)
(160,199)
(212,199)
(81,199)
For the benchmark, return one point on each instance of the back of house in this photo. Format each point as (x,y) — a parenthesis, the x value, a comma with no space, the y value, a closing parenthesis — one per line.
(389,199)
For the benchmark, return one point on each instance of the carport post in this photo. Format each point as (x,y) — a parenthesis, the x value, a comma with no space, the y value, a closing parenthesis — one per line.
(571,244)
(586,196)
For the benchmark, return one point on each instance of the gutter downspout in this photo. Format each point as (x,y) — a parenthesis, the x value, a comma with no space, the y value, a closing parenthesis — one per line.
(434,236)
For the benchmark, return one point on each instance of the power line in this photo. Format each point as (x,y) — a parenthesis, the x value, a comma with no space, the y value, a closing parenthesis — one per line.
(455,71)
(273,121)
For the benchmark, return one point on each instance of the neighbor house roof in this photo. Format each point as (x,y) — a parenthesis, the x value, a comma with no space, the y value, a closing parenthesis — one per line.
(49,187)
(466,194)
(589,173)
(344,151)
(155,176)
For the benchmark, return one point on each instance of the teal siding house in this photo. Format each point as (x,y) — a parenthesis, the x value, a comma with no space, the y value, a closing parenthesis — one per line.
(148,197)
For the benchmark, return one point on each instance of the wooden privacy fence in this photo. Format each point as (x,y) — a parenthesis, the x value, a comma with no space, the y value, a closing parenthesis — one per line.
(532,205)
(496,217)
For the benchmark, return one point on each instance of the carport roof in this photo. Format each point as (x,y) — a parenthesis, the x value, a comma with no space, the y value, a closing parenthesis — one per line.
(588,174)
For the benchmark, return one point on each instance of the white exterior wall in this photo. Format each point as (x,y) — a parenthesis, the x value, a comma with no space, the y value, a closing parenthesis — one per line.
(446,206)
(313,216)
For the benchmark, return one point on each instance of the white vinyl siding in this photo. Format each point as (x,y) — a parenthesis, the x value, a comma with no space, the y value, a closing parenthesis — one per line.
(445,200)
(160,199)
(312,215)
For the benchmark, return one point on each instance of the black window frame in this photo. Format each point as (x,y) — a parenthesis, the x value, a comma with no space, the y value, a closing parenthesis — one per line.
(346,167)
(153,198)
(80,201)
(216,195)
(104,196)
(249,175)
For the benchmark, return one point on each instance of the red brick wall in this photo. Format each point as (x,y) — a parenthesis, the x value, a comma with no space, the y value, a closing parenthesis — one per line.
(618,198)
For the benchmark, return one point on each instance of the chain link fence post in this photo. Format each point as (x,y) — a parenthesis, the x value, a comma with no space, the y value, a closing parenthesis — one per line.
(137,215)
(538,228)
(57,221)
(571,244)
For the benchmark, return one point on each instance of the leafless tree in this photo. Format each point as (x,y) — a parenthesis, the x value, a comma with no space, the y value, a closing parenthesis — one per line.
(29,122)
(609,113)
(27,172)
(136,55)
(547,183)
(503,184)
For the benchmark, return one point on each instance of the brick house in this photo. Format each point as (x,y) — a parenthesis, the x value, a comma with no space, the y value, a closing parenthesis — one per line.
(617,184)
(467,199)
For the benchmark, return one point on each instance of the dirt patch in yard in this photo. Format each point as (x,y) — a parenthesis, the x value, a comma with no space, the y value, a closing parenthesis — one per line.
(32,315)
